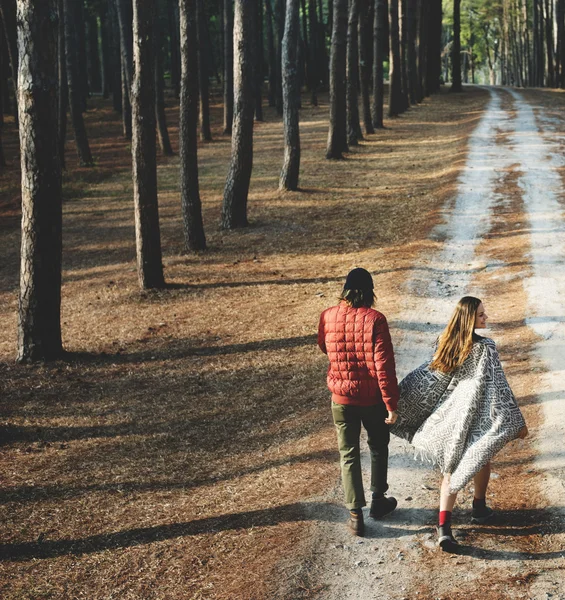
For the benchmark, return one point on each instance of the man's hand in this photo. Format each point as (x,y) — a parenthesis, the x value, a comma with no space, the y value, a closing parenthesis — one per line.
(392,416)
(523,432)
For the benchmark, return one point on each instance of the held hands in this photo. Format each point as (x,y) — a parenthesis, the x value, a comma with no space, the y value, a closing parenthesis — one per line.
(523,432)
(392,416)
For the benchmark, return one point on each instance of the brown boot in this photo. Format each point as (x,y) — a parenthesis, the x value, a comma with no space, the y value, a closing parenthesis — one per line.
(356,523)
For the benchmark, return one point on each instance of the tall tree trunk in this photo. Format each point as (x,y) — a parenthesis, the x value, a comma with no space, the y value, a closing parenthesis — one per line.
(162,131)
(365,62)
(116,57)
(337,136)
(126,101)
(105,51)
(73,82)
(395,105)
(314,56)
(80,45)
(259,64)
(549,45)
(63,99)
(173,15)
(433,46)
(228,65)
(380,49)
(124,11)
(189,187)
(234,210)
(203,74)
(93,55)
(279,22)
(39,310)
(143,150)
(412,63)
(272,54)
(403,26)
(456,49)
(291,164)
(424,38)
(354,133)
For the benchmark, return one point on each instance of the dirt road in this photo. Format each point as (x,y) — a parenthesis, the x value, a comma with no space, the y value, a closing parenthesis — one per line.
(502,239)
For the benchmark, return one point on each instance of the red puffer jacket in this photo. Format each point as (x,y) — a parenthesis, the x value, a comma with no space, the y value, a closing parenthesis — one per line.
(357,342)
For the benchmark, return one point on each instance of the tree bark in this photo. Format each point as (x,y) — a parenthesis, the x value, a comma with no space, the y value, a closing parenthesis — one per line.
(272,90)
(189,187)
(39,309)
(403,28)
(395,105)
(74,85)
(380,45)
(234,210)
(106,52)
(337,136)
(291,164)
(228,66)
(203,75)
(143,150)
(456,49)
(354,133)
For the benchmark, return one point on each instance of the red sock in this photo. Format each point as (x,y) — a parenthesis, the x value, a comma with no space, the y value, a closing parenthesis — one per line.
(479,502)
(444,517)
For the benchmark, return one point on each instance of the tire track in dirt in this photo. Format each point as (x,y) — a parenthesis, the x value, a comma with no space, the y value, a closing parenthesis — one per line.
(398,558)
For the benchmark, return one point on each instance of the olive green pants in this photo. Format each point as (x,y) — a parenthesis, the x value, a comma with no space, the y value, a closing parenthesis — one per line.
(348,420)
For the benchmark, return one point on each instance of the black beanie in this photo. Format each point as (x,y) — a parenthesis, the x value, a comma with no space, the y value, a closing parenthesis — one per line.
(358,279)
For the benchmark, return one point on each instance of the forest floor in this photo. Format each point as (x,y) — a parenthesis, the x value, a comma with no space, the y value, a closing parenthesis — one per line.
(184,448)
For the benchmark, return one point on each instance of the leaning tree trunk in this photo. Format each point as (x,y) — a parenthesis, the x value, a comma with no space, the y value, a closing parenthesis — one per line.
(234,210)
(365,62)
(39,310)
(395,104)
(143,149)
(189,187)
(228,66)
(380,45)
(337,136)
(291,164)
(354,133)
(456,49)
(74,85)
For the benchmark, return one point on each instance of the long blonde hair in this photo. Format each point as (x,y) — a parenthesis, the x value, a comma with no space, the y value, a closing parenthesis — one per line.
(456,340)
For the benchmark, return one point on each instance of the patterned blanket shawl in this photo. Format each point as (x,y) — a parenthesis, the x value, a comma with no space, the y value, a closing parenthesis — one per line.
(459,420)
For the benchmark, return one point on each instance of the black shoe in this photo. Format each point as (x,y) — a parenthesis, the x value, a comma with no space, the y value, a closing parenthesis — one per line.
(482,514)
(356,524)
(445,539)
(382,506)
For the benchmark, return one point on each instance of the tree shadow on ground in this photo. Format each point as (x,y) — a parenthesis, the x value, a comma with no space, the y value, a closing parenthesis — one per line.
(307,511)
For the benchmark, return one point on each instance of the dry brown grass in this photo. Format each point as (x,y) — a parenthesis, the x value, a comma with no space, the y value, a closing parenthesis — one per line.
(181,449)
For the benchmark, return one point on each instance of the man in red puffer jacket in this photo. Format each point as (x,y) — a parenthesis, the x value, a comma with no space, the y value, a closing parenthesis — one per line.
(362,380)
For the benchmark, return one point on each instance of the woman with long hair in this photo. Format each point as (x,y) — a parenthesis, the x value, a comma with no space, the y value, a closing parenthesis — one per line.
(458,411)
